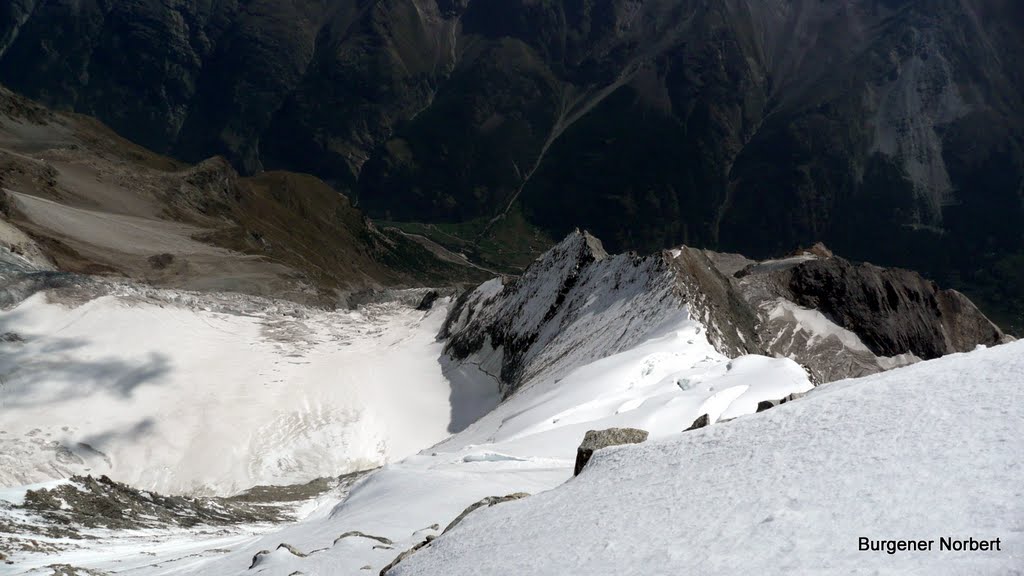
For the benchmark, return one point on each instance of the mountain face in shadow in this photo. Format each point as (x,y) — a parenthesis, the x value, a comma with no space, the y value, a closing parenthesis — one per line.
(891,130)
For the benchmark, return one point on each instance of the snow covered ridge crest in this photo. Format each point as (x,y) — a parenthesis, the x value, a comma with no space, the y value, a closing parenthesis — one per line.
(869,457)
(577,303)
(574,305)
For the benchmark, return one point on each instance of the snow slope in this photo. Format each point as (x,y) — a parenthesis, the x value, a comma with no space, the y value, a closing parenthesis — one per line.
(218,393)
(527,444)
(185,394)
(574,305)
(924,452)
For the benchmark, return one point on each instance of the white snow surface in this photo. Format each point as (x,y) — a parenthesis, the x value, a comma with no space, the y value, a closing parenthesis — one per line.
(920,452)
(924,452)
(574,305)
(527,444)
(183,398)
(816,324)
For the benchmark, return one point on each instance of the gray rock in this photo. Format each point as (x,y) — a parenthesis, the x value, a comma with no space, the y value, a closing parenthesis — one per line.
(485,503)
(69,570)
(701,421)
(257,558)
(104,503)
(428,300)
(404,555)
(893,311)
(597,439)
(295,551)
(769,404)
(358,534)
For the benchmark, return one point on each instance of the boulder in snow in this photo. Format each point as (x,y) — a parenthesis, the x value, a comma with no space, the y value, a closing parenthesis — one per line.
(769,404)
(597,439)
(703,420)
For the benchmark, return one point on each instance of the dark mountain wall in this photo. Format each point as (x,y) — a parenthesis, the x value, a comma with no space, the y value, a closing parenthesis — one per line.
(892,130)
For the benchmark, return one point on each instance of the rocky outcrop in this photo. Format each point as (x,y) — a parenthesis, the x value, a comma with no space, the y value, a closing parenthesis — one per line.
(577,304)
(769,404)
(893,311)
(485,503)
(427,302)
(700,422)
(311,243)
(257,558)
(892,130)
(358,534)
(712,298)
(574,304)
(597,439)
(845,320)
(101,502)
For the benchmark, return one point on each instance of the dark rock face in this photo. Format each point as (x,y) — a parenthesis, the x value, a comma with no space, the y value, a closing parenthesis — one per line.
(891,130)
(597,439)
(890,316)
(769,404)
(577,304)
(893,311)
(312,85)
(427,302)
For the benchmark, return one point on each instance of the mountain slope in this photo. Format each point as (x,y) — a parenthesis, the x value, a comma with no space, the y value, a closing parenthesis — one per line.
(84,200)
(112,377)
(578,303)
(862,458)
(889,130)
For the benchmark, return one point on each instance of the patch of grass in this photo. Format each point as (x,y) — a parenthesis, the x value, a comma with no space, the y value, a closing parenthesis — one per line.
(509,246)
(301,222)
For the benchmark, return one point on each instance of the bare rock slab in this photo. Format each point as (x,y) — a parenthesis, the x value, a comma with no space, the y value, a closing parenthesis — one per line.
(597,439)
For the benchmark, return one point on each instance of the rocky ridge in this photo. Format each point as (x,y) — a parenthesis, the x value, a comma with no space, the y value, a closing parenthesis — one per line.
(891,130)
(78,198)
(578,303)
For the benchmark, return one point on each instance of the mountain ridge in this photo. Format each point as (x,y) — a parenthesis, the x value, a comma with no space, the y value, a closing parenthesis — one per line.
(78,198)
(889,130)
(836,319)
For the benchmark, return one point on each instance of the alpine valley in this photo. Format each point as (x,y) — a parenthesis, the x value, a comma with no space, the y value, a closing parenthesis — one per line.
(890,130)
(506,287)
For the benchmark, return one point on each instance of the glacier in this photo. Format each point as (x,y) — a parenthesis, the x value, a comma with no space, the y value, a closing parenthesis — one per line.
(489,394)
